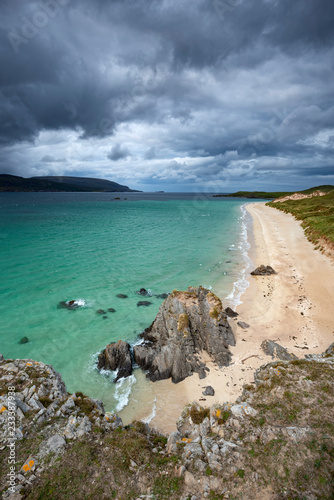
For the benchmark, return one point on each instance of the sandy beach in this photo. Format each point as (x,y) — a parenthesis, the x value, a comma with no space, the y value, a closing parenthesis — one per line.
(294,308)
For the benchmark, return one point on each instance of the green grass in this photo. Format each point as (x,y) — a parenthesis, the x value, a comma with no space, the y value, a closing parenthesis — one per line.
(272,195)
(316,214)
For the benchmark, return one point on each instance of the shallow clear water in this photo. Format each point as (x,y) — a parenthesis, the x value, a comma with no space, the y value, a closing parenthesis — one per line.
(62,246)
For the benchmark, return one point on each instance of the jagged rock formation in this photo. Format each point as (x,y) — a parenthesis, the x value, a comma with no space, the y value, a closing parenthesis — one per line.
(263,271)
(116,356)
(187,323)
(275,350)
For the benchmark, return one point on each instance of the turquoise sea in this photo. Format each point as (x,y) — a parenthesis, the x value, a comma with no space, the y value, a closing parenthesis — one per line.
(90,246)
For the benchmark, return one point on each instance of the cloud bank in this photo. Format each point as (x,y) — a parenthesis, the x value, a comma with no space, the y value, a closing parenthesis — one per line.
(202,95)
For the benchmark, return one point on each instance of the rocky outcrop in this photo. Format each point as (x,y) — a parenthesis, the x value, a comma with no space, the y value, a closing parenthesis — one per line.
(276,351)
(263,271)
(187,323)
(116,356)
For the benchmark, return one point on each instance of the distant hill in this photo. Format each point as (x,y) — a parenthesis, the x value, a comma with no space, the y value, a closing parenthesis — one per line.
(54,183)
(272,195)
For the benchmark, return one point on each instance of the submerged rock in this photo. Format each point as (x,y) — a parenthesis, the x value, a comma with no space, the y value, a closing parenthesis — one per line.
(263,271)
(100,311)
(143,292)
(111,310)
(144,303)
(162,295)
(121,296)
(276,351)
(24,340)
(116,356)
(187,322)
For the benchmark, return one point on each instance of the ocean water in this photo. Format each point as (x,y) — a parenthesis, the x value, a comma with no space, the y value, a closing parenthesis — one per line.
(90,247)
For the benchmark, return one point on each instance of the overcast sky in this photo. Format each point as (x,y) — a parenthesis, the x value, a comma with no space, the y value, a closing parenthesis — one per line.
(174,95)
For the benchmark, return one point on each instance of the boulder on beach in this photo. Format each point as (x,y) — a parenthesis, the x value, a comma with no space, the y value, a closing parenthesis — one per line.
(276,351)
(243,325)
(230,313)
(263,271)
(209,391)
(116,356)
(187,323)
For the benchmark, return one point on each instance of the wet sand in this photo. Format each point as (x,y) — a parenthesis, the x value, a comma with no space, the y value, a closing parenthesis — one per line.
(294,308)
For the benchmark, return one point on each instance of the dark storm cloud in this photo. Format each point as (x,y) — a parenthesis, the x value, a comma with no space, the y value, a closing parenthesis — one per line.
(219,82)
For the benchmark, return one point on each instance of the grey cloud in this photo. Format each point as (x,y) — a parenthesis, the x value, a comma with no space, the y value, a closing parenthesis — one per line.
(118,152)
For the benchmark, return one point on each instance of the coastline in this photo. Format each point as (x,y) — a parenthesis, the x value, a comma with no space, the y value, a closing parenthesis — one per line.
(293,308)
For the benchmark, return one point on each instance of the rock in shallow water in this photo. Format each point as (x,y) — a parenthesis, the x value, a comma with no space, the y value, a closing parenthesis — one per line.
(116,356)
(144,303)
(121,296)
(24,340)
(70,304)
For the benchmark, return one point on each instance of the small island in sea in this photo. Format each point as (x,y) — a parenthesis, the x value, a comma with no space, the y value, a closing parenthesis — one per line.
(251,418)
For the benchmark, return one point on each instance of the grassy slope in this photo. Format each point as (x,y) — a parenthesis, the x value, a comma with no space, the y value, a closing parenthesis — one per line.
(273,195)
(316,214)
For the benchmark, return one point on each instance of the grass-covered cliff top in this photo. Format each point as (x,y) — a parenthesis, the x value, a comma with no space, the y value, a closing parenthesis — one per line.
(276,441)
(272,195)
(316,214)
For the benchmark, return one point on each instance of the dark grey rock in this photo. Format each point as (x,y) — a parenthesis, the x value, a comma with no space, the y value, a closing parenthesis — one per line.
(144,303)
(263,271)
(121,296)
(24,340)
(143,292)
(276,351)
(111,310)
(100,311)
(162,295)
(209,391)
(187,322)
(69,304)
(230,313)
(116,356)
(243,325)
